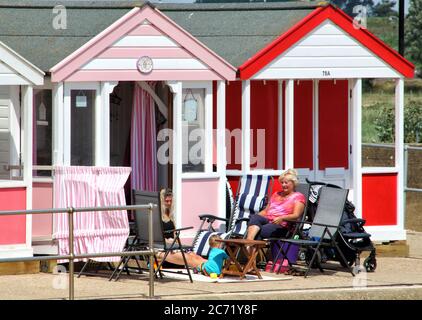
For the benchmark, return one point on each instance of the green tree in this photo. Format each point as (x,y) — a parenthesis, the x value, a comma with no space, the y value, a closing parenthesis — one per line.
(384,124)
(348,5)
(385,9)
(413,39)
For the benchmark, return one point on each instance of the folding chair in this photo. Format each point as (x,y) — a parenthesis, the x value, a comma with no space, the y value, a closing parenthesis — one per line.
(324,227)
(160,244)
(296,230)
(132,244)
(252,195)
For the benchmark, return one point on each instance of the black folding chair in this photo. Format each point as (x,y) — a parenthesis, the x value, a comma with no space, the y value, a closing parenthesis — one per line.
(324,228)
(132,244)
(160,244)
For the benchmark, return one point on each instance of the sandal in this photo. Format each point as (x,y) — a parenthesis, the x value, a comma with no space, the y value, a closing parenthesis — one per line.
(294,272)
(288,272)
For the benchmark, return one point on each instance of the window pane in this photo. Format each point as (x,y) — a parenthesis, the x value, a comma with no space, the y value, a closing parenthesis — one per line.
(193,130)
(42,131)
(82,127)
(378,121)
(10,165)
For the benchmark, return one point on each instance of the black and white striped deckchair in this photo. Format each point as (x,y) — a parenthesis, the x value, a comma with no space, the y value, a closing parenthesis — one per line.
(252,196)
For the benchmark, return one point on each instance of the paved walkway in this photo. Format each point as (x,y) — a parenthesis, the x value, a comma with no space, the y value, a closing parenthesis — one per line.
(399,278)
(395,278)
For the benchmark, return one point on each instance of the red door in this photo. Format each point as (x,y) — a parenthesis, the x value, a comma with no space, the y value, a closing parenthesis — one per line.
(333,132)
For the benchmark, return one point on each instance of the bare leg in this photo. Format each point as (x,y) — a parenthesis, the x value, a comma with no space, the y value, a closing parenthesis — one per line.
(252,232)
(192,259)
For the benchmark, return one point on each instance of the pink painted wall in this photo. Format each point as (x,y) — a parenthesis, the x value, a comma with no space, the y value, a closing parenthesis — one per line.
(12,228)
(42,198)
(198,197)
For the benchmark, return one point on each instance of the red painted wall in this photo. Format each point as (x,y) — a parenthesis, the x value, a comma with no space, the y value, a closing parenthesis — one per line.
(264,109)
(233,121)
(333,124)
(379,199)
(12,228)
(234,183)
(303,124)
(264,115)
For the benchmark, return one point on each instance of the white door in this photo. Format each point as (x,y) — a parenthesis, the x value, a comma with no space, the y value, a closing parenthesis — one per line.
(321,131)
(331,132)
(304,129)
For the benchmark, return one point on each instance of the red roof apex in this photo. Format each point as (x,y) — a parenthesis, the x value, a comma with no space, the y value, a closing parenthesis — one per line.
(309,23)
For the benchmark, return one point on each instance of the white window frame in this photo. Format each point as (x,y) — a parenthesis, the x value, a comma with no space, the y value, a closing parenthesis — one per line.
(208,138)
(68,87)
(48,85)
(15,131)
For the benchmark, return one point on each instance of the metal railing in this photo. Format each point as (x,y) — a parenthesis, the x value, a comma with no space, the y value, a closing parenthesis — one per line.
(71,256)
(406,163)
(406,160)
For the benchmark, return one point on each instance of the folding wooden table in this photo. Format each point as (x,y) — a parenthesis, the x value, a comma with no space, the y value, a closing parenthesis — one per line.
(234,247)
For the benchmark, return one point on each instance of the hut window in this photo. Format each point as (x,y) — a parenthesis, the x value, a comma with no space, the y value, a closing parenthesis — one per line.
(42,130)
(193,130)
(82,104)
(10,133)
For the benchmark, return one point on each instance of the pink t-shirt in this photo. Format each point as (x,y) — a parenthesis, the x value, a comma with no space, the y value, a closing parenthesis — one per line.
(278,207)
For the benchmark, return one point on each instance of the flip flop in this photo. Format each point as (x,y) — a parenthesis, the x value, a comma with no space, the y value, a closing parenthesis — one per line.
(294,272)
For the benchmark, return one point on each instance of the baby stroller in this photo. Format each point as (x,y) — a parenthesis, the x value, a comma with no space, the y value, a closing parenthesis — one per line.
(352,238)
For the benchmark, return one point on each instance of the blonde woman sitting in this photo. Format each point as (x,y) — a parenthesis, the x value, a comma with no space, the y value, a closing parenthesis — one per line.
(167,205)
(284,206)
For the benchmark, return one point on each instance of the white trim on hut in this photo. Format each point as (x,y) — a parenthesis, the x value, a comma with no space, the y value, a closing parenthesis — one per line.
(329,53)
(19,76)
(399,155)
(246,126)
(221,146)
(357,144)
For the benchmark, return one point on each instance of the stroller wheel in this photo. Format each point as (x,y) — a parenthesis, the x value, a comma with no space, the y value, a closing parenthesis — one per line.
(370,264)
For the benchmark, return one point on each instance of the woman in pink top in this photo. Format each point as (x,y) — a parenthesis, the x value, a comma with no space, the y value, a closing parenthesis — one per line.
(284,206)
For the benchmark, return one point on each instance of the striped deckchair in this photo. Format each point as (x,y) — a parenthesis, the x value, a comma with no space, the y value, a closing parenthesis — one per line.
(252,196)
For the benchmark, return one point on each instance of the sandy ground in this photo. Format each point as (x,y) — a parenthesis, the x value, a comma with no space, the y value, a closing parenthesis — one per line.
(394,278)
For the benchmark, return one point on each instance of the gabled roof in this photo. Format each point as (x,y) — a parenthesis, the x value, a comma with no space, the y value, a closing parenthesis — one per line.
(17,70)
(164,27)
(234,31)
(288,39)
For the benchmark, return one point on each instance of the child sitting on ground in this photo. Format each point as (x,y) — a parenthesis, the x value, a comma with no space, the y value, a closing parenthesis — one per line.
(216,258)
(214,264)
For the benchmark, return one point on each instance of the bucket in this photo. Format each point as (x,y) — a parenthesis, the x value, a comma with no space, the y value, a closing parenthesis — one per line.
(292,253)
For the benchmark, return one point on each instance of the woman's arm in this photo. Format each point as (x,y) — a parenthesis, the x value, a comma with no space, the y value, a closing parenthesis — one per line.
(297,212)
(263,212)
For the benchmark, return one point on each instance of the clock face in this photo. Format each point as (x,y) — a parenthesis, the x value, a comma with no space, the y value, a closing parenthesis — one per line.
(144,64)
